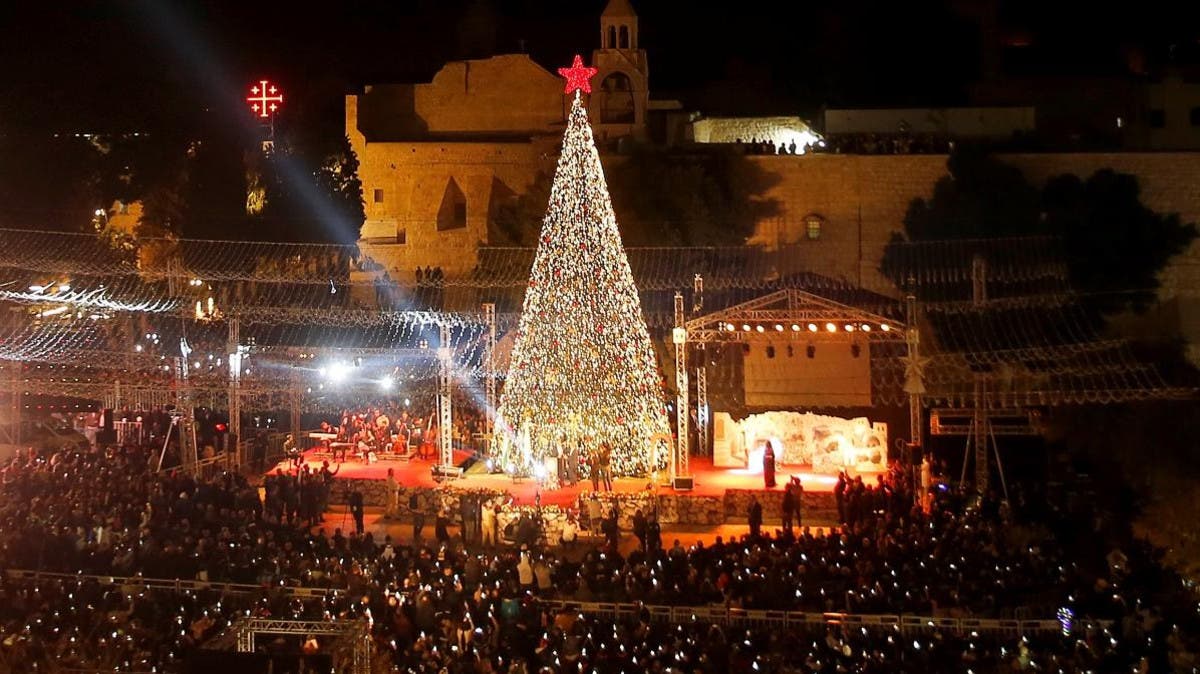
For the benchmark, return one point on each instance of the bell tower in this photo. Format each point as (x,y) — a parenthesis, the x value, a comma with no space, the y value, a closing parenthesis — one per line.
(619,101)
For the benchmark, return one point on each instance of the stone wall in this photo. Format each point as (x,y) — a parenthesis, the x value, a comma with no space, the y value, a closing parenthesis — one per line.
(673,508)
(814,506)
(861,200)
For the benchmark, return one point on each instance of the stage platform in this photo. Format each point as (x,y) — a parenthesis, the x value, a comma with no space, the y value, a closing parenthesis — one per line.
(719,495)
(709,481)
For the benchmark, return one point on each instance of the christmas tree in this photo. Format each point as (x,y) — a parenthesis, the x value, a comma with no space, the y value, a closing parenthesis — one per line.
(583,370)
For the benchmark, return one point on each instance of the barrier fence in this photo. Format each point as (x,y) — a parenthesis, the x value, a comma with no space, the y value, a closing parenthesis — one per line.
(906,624)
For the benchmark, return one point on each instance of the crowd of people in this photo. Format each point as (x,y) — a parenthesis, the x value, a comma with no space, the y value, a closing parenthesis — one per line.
(438,605)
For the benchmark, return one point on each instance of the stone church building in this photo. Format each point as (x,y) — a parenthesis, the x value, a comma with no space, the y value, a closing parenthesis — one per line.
(437,158)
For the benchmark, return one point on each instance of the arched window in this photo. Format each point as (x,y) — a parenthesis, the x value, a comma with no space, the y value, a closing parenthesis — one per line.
(616,100)
(624,37)
(612,37)
(812,226)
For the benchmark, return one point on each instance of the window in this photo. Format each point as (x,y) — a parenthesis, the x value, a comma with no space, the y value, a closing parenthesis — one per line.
(1194,116)
(624,37)
(812,227)
(616,100)
(378,196)
(402,236)
(1157,118)
(612,37)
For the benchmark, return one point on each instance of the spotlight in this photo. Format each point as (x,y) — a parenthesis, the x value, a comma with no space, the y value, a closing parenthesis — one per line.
(337,372)
(885,327)
(831,327)
(811,351)
(778,328)
(407,402)
(795,328)
(760,328)
(745,327)
(730,327)
(812,327)
(386,383)
(866,327)
(849,327)
(64,287)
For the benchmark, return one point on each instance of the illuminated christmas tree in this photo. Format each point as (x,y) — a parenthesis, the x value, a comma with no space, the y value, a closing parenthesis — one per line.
(583,370)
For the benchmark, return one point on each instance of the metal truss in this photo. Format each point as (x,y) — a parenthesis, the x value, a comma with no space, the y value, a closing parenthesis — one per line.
(777,313)
(355,634)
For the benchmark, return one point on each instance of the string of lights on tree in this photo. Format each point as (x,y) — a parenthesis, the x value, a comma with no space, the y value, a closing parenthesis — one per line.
(583,370)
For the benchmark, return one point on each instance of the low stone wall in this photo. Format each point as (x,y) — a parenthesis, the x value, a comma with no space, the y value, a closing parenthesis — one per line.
(814,506)
(673,508)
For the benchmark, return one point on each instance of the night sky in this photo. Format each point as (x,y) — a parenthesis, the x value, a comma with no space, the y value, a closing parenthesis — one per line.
(126,65)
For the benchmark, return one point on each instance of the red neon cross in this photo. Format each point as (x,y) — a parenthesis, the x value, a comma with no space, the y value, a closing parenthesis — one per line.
(261,103)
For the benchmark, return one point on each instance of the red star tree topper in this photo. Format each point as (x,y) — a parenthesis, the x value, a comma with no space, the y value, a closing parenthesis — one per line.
(578,76)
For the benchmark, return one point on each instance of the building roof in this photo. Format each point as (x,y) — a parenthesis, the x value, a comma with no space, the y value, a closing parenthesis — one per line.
(619,9)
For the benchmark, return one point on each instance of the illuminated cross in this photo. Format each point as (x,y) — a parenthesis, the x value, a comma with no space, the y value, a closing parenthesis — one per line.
(266,99)
(578,76)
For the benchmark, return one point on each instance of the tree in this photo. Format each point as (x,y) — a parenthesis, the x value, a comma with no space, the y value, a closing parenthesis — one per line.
(48,182)
(1116,245)
(693,198)
(583,369)
(311,190)
(1113,244)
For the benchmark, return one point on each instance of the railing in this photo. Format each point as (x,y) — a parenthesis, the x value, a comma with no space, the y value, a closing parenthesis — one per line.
(759,618)
(176,584)
(906,624)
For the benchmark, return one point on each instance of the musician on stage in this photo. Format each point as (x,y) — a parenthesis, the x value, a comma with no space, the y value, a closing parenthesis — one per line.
(291,451)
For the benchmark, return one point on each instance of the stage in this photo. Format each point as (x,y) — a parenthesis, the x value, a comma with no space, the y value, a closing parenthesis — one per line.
(719,496)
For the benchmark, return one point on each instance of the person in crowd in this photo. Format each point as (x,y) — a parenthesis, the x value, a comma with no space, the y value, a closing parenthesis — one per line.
(570,531)
(95,520)
(491,523)
(611,530)
(839,495)
(441,525)
(393,494)
(418,516)
(594,468)
(755,517)
(357,511)
(639,529)
(606,465)
(787,508)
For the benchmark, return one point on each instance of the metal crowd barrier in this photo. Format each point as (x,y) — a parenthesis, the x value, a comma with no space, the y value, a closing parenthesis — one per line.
(760,618)
(906,624)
